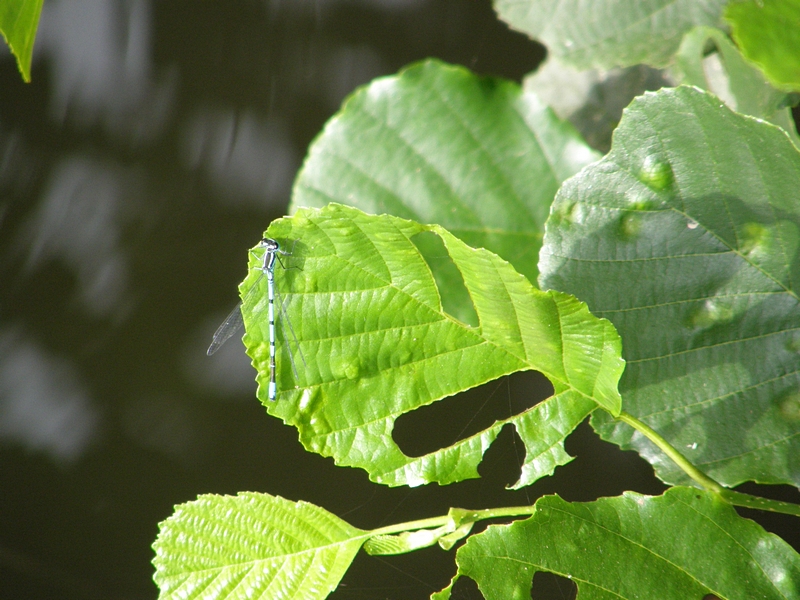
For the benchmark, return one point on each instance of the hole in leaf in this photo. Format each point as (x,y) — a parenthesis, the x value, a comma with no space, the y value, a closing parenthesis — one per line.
(449,420)
(466,589)
(548,586)
(455,298)
(601,469)
(502,462)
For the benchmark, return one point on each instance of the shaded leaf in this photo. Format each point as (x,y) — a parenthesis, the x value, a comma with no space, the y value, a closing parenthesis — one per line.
(686,236)
(684,544)
(19,20)
(768,33)
(609,33)
(438,144)
(252,546)
(377,344)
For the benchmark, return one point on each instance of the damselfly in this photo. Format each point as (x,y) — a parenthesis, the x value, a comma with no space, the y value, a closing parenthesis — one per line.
(234,321)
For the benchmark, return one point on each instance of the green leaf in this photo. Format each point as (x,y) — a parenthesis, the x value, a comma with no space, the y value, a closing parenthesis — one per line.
(437,144)
(609,33)
(19,20)
(728,75)
(768,33)
(456,527)
(409,541)
(686,237)
(252,546)
(375,343)
(684,544)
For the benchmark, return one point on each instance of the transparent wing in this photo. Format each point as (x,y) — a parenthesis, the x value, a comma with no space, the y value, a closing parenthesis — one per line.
(284,319)
(232,323)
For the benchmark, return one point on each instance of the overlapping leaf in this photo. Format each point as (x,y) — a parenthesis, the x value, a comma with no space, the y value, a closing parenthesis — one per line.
(686,236)
(742,86)
(375,343)
(610,33)
(592,99)
(684,544)
(438,144)
(768,32)
(252,546)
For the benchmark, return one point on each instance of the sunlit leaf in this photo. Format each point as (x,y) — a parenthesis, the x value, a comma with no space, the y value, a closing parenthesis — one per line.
(375,343)
(609,33)
(438,144)
(252,546)
(768,33)
(19,20)
(684,544)
(686,237)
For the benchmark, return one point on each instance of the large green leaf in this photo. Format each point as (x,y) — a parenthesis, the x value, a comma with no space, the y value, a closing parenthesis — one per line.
(19,20)
(252,546)
(684,544)
(609,33)
(375,343)
(686,236)
(438,144)
(768,32)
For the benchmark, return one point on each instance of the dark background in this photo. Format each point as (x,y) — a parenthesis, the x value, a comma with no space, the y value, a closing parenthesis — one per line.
(154,146)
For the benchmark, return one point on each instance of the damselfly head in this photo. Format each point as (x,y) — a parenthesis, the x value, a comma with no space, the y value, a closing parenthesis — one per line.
(269,244)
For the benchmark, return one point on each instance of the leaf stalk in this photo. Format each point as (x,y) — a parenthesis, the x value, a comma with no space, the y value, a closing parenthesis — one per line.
(703,480)
(458,517)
